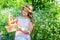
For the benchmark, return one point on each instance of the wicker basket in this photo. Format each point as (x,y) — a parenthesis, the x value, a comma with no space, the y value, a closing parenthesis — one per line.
(11,28)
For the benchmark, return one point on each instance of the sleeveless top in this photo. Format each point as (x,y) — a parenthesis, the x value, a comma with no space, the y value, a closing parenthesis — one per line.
(24,23)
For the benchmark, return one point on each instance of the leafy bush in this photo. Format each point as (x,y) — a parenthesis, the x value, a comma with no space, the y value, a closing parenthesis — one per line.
(46,25)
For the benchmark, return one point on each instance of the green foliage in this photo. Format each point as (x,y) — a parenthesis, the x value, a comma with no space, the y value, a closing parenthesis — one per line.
(46,25)
(17,4)
(42,4)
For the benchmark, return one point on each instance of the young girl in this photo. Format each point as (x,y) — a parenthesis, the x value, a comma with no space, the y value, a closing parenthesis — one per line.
(25,24)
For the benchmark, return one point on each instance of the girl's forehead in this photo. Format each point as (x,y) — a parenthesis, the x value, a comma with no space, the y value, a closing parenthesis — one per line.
(24,9)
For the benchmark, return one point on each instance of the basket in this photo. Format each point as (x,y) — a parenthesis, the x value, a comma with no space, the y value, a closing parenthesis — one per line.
(11,28)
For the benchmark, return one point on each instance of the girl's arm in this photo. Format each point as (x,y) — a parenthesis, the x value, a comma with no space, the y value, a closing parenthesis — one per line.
(31,27)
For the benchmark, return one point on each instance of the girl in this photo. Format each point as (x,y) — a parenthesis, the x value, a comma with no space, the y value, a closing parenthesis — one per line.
(25,24)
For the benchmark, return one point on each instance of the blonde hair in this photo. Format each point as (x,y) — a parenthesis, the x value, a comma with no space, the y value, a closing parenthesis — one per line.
(30,15)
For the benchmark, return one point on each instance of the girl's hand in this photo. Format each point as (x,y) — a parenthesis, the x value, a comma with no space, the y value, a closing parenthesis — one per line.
(29,32)
(23,31)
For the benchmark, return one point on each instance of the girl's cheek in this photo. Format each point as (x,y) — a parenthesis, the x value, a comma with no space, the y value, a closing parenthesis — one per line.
(25,13)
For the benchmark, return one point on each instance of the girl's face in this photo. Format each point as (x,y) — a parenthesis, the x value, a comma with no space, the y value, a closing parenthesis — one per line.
(24,12)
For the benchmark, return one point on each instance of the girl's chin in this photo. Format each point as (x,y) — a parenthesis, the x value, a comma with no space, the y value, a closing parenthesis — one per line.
(24,15)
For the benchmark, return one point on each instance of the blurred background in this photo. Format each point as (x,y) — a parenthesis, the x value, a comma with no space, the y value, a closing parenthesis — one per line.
(46,15)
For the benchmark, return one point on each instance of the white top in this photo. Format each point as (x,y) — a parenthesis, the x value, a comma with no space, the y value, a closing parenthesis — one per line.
(24,23)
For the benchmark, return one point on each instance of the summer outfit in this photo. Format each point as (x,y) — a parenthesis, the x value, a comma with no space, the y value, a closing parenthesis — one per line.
(24,24)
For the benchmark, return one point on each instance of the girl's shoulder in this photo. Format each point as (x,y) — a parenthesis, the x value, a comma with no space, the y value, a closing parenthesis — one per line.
(21,17)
